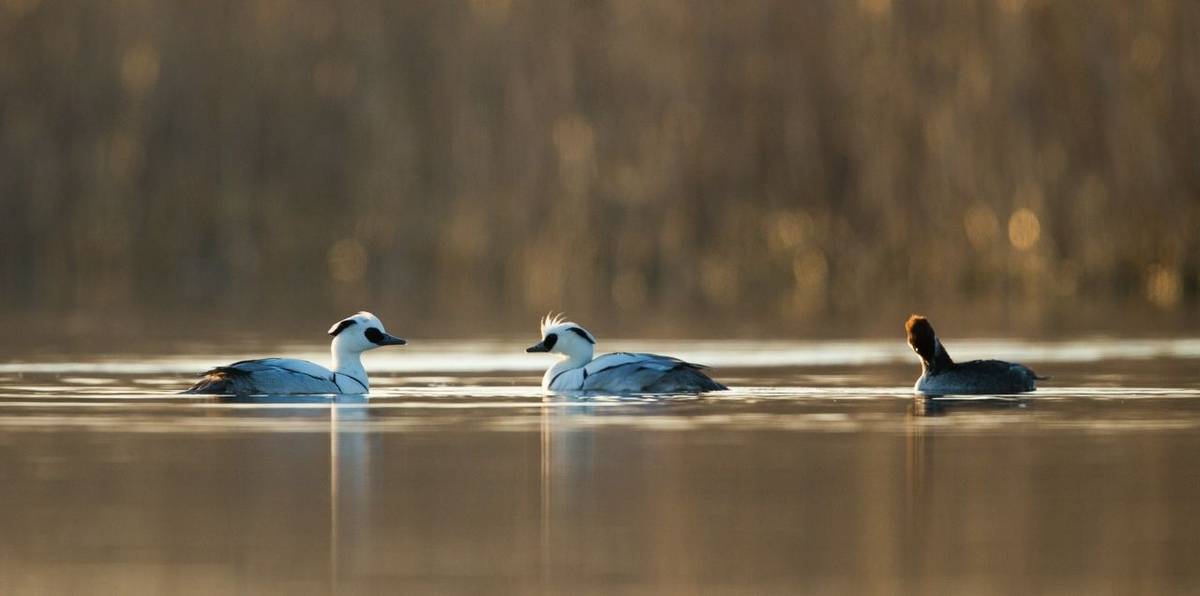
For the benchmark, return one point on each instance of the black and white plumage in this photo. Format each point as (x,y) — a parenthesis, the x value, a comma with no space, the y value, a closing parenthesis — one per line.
(941,375)
(618,373)
(281,376)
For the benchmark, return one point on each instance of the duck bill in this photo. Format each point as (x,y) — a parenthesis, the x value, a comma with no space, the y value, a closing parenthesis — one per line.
(539,347)
(391,340)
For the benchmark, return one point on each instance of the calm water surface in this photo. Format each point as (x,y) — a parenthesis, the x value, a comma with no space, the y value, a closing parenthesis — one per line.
(819,473)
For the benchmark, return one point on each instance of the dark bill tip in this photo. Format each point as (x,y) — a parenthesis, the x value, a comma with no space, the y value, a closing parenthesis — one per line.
(391,340)
(540,347)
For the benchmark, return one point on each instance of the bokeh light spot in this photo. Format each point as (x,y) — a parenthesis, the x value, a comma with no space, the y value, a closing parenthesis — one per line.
(875,8)
(1163,286)
(981,226)
(1146,53)
(1024,229)
(139,69)
(788,229)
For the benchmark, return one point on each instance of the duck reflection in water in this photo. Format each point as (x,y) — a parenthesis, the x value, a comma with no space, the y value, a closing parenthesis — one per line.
(285,398)
(923,405)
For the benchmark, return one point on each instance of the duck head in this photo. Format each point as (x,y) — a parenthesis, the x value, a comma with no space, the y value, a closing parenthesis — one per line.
(564,337)
(359,333)
(924,341)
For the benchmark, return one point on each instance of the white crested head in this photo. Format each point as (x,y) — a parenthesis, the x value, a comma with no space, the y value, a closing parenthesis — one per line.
(560,336)
(359,333)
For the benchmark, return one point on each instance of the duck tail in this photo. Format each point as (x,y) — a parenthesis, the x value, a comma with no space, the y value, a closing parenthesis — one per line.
(703,382)
(218,381)
(1034,375)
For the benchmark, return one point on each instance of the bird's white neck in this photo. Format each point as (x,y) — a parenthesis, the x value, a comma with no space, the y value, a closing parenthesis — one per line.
(349,363)
(569,362)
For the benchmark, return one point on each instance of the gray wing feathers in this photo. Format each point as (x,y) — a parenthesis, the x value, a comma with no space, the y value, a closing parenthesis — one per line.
(271,375)
(646,373)
(622,378)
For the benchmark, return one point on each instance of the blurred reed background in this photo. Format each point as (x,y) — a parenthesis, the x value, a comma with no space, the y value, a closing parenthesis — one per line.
(654,168)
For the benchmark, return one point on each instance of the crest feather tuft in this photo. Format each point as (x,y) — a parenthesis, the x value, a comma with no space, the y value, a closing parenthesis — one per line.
(550,320)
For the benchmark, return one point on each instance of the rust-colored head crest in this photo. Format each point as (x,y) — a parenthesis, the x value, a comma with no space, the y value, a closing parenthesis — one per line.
(921,336)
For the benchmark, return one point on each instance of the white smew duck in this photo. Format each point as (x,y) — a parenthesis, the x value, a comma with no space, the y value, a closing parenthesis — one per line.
(620,372)
(351,337)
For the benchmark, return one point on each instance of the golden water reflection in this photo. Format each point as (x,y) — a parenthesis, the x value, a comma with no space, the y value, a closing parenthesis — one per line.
(829,480)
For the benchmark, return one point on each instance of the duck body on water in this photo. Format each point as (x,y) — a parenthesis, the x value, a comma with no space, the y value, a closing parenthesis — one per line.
(941,375)
(289,376)
(579,371)
(617,373)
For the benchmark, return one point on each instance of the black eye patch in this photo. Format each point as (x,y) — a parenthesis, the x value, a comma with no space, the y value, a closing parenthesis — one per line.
(341,326)
(373,335)
(581,333)
(550,341)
